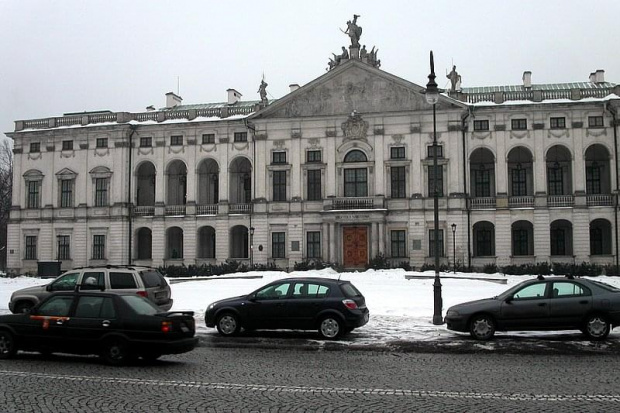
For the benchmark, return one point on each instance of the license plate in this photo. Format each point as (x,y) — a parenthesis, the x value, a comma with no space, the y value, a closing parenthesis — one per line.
(160,295)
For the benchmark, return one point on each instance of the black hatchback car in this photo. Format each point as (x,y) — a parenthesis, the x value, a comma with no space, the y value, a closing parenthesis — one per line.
(333,307)
(115,326)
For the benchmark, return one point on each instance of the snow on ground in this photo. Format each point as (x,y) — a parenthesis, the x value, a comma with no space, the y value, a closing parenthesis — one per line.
(400,308)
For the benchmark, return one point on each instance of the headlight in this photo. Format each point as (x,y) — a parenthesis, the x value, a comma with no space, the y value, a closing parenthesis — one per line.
(211,306)
(452,313)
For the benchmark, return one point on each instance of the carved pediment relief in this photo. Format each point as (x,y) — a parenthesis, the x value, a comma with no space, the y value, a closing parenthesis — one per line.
(355,127)
(353,87)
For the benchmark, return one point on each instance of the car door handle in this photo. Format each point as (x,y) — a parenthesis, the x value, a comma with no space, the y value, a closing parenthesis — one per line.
(105,323)
(60,321)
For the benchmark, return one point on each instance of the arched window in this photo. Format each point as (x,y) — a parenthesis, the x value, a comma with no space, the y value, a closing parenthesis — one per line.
(355,156)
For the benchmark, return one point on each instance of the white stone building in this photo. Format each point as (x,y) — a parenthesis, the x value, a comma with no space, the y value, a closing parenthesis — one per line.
(336,170)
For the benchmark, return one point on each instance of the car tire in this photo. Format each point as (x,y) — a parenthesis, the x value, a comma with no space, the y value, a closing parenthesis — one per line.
(482,327)
(23,307)
(8,347)
(330,327)
(596,327)
(116,351)
(228,324)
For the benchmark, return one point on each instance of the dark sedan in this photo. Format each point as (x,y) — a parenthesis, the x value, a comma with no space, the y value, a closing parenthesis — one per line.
(117,327)
(332,307)
(554,303)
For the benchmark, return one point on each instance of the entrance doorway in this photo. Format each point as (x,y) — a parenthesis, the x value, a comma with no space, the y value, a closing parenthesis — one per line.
(355,247)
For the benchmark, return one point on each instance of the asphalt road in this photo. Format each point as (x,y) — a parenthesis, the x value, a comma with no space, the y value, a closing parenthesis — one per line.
(283,377)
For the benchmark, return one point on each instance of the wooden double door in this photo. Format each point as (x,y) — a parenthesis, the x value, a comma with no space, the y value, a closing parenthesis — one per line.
(355,247)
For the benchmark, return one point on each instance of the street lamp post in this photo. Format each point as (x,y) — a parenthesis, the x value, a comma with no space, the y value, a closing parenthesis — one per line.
(454,246)
(251,247)
(432,97)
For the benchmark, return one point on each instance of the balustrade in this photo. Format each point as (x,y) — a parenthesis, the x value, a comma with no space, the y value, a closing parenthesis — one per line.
(521,202)
(483,203)
(555,201)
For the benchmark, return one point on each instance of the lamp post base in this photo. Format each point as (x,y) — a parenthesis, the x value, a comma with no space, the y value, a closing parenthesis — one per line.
(437,318)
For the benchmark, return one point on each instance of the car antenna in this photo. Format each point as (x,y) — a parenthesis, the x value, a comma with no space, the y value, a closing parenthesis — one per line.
(540,277)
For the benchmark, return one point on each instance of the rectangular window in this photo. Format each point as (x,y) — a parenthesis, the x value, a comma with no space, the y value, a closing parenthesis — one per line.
(176,140)
(593,179)
(35,147)
(557,123)
(313,156)
(241,137)
(102,143)
(595,122)
(278,157)
(519,181)
(356,182)
(596,241)
(519,124)
(101,192)
(67,145)
(397,152)
(208,138)
(431,181)
(64,247)
(279,186)
(398,243)
(98,247)
(555,181)
(519,242)
(32,200)
(398,181)
(278,245)
(484,243)
(481,125)
(146,142)
(482,183)
(558,242)
(431,245)
(122,280)
(429,150)
(314,185)
(313,244)
(31,248)
(66,193)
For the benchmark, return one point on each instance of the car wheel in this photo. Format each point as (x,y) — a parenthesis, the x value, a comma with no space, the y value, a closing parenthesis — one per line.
(330,328)
(596,327)
(482,327)
(23,307)
(116,352)
(8,348)
(228,324)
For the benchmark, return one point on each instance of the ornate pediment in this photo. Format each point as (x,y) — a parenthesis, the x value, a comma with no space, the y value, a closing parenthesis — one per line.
(353,86)
(355,127)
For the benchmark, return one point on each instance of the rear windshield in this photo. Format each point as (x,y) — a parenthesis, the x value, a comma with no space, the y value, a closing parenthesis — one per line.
(349,290)
(605,286)
(153,279)
(141,305)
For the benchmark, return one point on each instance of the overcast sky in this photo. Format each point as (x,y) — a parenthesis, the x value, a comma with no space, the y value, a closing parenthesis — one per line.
(76,55)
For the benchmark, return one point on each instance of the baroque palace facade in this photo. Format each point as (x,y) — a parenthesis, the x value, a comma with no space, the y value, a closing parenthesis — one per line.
(338,170)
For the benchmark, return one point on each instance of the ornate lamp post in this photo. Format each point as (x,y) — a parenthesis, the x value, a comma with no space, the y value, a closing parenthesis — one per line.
(454,246)
(432,97)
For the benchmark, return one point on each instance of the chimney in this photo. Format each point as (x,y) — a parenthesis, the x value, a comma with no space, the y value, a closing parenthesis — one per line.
(233,96)
(173,100)
(293,87)
(599,76)
(527,79)
(593,77)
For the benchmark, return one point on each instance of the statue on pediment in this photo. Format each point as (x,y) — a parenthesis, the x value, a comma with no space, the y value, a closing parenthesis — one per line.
(353,31)
(455,80)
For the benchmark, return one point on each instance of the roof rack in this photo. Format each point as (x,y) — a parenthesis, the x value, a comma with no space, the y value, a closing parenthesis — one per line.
(132,267)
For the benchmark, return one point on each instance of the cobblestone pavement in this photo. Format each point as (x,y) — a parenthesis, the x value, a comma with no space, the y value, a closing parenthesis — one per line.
(282,379)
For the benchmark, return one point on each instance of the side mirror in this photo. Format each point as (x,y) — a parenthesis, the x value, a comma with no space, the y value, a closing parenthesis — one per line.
(509,299)
(251,297)
(48,287)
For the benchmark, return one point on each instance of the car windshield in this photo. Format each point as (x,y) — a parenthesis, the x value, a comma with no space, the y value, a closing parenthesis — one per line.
(605,286)
(140,305)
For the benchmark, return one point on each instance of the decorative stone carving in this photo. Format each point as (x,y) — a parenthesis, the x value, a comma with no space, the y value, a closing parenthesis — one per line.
(398,138)
(279,144)
(314,142)
(355,127)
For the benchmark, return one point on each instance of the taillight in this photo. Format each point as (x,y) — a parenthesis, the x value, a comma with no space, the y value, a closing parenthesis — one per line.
(166,326)
(350,304)
(142,294)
